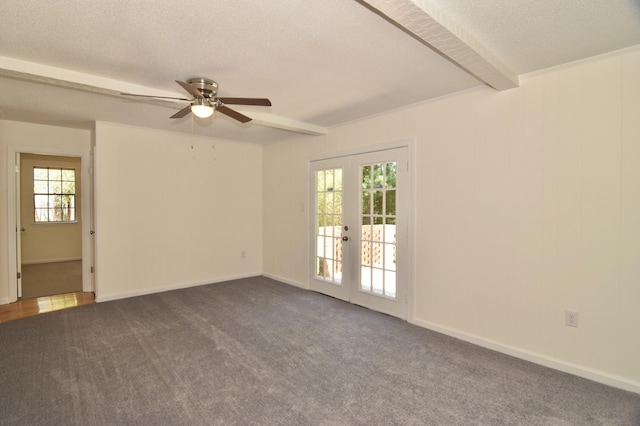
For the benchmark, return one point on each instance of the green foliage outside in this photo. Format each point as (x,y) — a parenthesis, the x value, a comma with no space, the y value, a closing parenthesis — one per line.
(378,199)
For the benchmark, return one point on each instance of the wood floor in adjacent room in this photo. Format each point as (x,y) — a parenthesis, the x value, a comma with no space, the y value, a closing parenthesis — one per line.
(48,287)
(24,308)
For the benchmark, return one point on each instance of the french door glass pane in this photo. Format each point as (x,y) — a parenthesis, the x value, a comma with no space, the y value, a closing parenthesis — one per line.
(329,225)
(366,202)
(365,278)
(377,281)
(378,229)
(390,257)
(377,202)
(390,283)
(390,203)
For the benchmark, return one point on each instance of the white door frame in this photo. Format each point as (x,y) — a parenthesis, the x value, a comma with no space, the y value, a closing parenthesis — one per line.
(409,144)
(13,232)
(19,228)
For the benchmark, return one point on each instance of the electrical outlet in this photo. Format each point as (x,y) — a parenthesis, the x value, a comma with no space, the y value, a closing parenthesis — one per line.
(571,318)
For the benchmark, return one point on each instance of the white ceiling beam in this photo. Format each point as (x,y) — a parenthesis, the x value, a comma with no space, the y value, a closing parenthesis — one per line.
(283,123)
(38,73)
(429,25)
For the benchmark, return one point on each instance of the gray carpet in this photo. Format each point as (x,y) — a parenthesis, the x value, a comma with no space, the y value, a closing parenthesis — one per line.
(255,351)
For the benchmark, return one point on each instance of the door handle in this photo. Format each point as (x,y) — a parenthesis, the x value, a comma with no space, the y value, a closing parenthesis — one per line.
(345,238)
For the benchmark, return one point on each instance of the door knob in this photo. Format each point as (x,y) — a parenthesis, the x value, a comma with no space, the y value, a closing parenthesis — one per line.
(345,238)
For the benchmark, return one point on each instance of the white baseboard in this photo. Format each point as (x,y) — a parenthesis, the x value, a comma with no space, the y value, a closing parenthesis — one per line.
(286,281)
(39,261)
(106,298)
(566,367)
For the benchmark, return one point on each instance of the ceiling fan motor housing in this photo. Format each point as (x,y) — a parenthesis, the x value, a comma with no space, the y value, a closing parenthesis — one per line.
(208,88)
(205,100)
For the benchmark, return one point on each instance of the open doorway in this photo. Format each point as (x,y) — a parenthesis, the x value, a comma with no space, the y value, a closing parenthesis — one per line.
(51,191)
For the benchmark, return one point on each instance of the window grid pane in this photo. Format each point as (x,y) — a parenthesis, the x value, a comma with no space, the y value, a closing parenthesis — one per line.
(54,198)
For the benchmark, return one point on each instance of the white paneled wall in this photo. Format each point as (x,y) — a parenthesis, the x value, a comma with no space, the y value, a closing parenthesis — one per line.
(628,351)
(174,210)
(527,205)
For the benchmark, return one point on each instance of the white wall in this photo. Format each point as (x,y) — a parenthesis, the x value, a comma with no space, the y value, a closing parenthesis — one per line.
(528,204)
(30,138)
(174,210)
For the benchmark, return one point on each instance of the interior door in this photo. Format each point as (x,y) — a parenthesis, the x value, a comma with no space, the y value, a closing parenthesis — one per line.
(359,229)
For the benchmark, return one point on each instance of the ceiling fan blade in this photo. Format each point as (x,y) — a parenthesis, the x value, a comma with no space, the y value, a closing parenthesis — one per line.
(155,97)
(246,101)
(184,111)
(191,89)
(233,114)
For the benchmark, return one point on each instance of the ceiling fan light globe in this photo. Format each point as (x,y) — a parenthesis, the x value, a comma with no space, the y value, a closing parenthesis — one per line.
(202,111)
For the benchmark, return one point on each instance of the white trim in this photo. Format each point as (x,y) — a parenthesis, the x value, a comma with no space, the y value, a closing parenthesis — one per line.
(41,261)
(12,224)
(556,364)
(17,207)
(401,143)
(85,164)
(126,295)
(411,232)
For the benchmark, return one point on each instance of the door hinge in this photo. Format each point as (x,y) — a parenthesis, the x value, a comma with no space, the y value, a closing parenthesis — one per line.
(19,275)
(92,269)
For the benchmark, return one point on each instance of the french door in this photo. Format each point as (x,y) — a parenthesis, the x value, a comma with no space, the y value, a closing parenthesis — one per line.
(358,229)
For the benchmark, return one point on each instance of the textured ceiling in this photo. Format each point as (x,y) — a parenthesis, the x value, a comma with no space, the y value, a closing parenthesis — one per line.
(534,35)
(323,63)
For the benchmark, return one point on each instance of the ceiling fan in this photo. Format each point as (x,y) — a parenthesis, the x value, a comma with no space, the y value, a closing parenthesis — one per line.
(205,101)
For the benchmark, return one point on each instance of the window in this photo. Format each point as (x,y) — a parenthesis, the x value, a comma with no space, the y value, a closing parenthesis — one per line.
(54,194)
